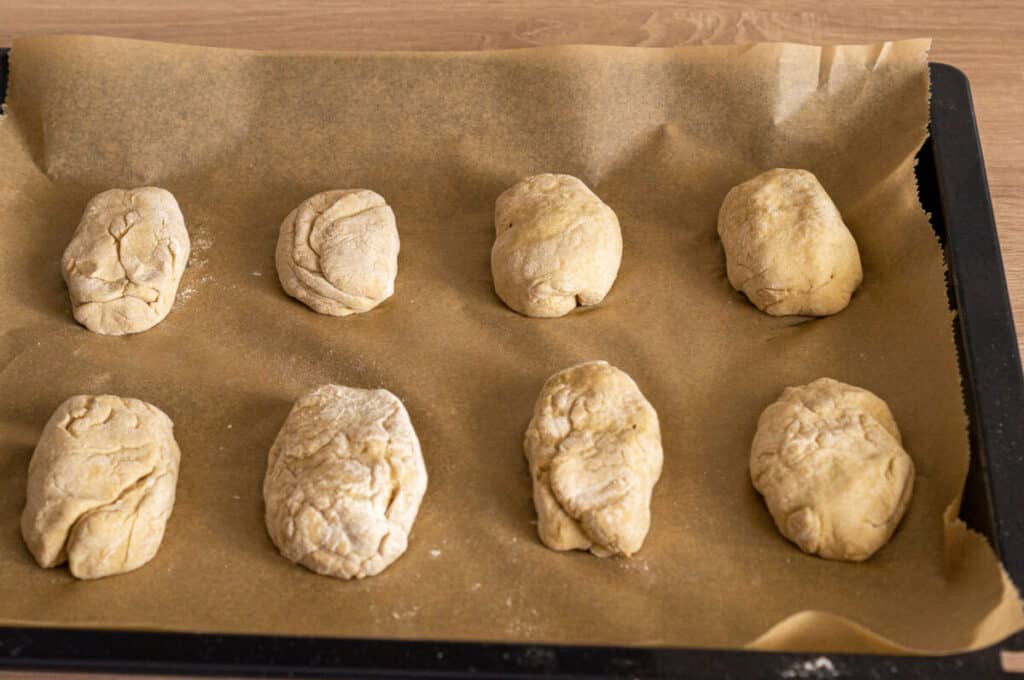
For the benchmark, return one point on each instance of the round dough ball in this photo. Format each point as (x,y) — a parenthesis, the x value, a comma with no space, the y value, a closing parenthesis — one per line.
(338,252)
(829,461)
(344,481)
(594,448)
(556,246)
(786,246)
(125,260)
(101,486)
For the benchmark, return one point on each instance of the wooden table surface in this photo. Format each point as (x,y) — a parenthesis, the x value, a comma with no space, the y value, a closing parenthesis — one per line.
(984,39)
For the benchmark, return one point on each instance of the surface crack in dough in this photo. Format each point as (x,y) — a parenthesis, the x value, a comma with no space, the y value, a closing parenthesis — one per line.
(101,486)
(337,252)
(829,461)
(786,246)
(344,482)
(129,499)
(125,260)
(557,246)
(594,449)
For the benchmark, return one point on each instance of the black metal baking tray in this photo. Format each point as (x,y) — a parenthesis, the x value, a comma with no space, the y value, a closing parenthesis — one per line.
(954,189)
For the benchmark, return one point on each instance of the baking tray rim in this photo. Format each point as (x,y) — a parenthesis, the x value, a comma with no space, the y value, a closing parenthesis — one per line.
(976,282)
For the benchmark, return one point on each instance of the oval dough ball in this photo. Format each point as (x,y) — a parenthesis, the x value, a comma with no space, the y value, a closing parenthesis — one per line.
(338,252)
(786,246)
(344,481)
(101,486)
(829,461)
(594,448)
(125,260)
(556,246)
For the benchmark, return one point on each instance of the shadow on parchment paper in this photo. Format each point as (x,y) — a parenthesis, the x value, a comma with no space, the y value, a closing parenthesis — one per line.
(14,467)
(518,393)
(696,187)
(236,463)
(40,265)
(231,114)
(471,283)
(700,184)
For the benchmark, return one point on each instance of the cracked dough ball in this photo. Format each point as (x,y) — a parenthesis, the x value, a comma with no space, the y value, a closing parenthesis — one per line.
(557,246)
(594,448)
(829,461)
(101,486)
(125,260)
(786,246)
(338,252)
(344,482)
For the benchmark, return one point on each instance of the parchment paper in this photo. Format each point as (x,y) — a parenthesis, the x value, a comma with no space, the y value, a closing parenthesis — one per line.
(661,134)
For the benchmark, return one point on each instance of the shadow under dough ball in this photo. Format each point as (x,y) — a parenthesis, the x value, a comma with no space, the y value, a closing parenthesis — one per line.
(125,260)
(829,461)
(594,449)
(786,246)
(101,486)
(344,482)
(338,252)
(556,246)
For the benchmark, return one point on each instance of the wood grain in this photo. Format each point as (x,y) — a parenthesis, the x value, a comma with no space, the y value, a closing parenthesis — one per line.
(981,38)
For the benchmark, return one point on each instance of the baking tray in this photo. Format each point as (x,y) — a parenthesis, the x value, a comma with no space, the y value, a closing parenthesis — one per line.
(953,188)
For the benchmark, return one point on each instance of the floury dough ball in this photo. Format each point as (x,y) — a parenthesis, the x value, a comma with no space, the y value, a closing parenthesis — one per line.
(125,260)
(594,448)
(786,246)
(338,252)
(344,481)
(829,461)
(101,486)
(556,246)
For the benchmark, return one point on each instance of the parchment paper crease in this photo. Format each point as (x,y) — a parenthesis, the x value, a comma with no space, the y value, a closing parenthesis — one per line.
(660,134)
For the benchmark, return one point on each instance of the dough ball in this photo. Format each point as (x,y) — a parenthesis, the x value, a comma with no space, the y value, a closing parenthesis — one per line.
(829,461)
(101,486)
(125,260)
(338,252)
(557,246)
(344,482)
(786,246)
(594,448)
